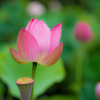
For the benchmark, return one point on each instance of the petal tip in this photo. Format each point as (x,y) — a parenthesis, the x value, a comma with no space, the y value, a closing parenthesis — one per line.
(61,43)
(22,29)
(32,19)
(60,25)
(11,49)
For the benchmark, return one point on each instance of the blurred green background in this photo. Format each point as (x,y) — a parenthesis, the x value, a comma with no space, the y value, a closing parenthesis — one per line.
(57,82)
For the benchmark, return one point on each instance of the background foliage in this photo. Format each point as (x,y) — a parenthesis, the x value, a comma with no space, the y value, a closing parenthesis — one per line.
(52,83)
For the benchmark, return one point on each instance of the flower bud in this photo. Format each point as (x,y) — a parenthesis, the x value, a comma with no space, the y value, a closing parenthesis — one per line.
(97,90)
(83,32)
(35,8)
(25,85)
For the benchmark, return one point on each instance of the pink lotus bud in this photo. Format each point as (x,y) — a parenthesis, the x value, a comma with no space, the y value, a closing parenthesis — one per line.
(97,90)
(35,8)
(25,85)
(37,43)
(83,32)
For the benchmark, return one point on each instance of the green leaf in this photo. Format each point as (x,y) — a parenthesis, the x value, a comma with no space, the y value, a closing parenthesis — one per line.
(45,76)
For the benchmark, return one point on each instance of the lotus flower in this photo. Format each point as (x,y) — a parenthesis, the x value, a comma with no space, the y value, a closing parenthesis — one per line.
(97,90)
(83,32)
(37,43)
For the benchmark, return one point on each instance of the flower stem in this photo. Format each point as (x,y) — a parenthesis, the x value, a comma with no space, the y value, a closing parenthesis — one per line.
(79,63)
(79,71)
(33,77)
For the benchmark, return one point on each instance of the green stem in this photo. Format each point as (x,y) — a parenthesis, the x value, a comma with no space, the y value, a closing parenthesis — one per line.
(79,63)
(33,77)
(79,71)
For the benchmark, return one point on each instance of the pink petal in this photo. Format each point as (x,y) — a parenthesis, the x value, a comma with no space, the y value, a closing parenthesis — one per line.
(53,57)
(16,57)
(27,46)
(42,34)
(31,24)
(55,36)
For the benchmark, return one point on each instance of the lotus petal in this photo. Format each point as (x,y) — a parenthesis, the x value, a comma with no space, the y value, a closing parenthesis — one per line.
(55,37)
(27,46)
(16,56)
(42,34)
(53,57)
